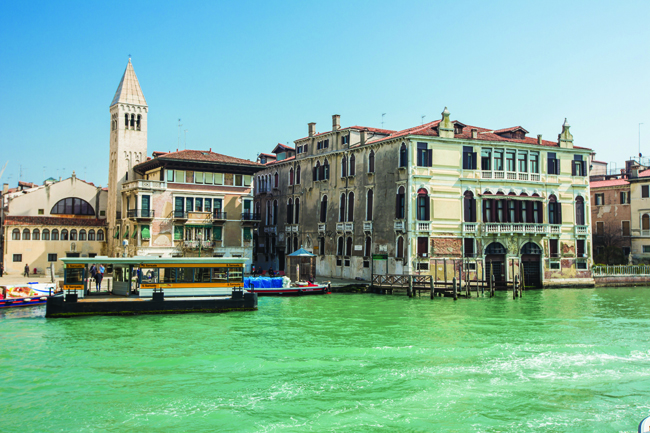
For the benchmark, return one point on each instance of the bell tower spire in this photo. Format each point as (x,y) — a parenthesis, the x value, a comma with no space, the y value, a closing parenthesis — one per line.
(128,144)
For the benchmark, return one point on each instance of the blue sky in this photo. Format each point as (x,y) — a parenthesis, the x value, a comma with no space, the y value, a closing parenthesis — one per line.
(244,76)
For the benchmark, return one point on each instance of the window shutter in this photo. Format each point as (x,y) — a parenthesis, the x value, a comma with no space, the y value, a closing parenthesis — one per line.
(472,210)
(493,210)
(397,206)
(484,208)
(558,206)
(557,166)
(430,157)
(529,212)
(517,212)
(427,207)
(468,212)
(584,168)
(473,160)
(540,213)
(507,218)
(321,174)
(314,173)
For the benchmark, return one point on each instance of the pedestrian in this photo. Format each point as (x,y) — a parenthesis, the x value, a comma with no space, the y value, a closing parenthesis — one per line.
(99,276)
(2,269)
(271,273)
(252,270)
(26,273)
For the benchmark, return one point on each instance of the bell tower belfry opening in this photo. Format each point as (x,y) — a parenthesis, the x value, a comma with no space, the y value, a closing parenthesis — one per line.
(128,144)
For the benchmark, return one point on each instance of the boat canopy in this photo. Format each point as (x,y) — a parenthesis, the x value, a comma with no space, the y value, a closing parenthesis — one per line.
(301,253)
(138,260)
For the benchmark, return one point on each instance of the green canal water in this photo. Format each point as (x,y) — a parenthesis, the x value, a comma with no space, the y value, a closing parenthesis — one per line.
(554,361)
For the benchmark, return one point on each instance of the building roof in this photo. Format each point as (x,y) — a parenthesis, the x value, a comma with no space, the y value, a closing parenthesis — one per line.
(268,155)
(598,162)
(129,91)
(356,127)
(291,158)
(52,221)
(201,156)
(282,147)
(644,173)
(607,183)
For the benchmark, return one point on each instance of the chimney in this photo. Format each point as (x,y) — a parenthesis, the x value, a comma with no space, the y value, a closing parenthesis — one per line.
(312,129)
(363,134)
(474,133)
(445,127)
(5,188)
(539,138)
(336,122)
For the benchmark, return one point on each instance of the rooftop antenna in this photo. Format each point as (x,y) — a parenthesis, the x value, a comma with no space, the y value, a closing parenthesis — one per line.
(382,120)
(185,131)
(423,116)
(640,142)
(179,132)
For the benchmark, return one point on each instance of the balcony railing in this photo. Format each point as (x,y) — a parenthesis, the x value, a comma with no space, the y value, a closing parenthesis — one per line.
(423,227)
(140,213)
(367,226)
(645,233)
(470,227)
(555,229)
(321,227)
(349,227)
(340,227)
(196,244)
(514,228)
(399,226)
(581,230)
(144,184)
(218,215)
(251,216)
(510,175)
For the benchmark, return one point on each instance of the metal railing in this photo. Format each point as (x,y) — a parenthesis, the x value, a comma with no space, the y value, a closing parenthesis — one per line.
(616,270)
(140,213)
(218,215)
(367,226)
(179,214)
(251,216)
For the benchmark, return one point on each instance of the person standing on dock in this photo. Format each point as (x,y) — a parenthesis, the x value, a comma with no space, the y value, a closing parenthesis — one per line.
(26,273)
(99,276)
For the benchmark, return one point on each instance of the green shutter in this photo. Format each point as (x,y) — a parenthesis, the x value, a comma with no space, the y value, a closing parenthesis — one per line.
(135,232)
(217,233)
(247,234)
(145,232)
(126,233)
(178,233)
(117,233)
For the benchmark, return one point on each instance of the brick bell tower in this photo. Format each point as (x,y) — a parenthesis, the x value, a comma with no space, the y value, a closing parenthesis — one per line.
(128,147)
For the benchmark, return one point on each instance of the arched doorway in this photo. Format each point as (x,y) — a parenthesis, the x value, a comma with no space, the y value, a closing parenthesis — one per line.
(531,260)
(495,259)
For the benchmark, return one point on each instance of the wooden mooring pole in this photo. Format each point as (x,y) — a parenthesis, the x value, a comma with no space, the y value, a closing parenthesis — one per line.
(410,288)
(454,286)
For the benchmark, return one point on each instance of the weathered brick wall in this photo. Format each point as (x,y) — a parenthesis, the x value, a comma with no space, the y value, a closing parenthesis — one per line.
(446,247)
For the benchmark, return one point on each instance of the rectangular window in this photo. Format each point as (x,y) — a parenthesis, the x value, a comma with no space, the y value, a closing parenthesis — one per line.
(625,227)
(41,211)
(600,199)
(198,177)
(534,162)
(145,232)
(510,160)
(600,228)
(299,150)
(235,275)
(345,139)
(319,145)
(498,160)
(579,167)
(424,155)
(625,197)
(179,175)
(248,179)
(217,233)
(189,204)
(218,178)
(645,191)
(486,159)
(423,246)
(469,247)
(626,251)
(522,161)
(248,235)
(18,257)
(185,275)
(580,248)
(646,249)
(208,205)
(102,213)
(469,158)
(553,163)
(198,204)
(170,175)
(239,180)
(178,233)
(552,246)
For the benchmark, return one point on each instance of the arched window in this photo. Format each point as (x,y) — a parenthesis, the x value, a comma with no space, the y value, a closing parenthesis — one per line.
(15,235)
(290,211)
(72,206)
(344,166)
(269,214)
(132,121)
(350,207)
(317,172)
(342,208)
(400,248)
(352,165)
(276,180)
(369,205)
(137,124)
(371,162)
(100,235)
(554,210)
(323,209)
(126,121)
(291,176)
(258,209)
(64,235)
(531,248)
(275,212)
(82,235)
(495,248)
(339,246)
(368,247)
(91,235)
(469,207)
(348,246)
(403,156)
(297,207)
(298,175)
(36,235)
(55,235)
(326,170)
(46,235)
(73,235)
(423,205)
(580,211)
(645,222)
(401,202)
(295,243)
(26,235)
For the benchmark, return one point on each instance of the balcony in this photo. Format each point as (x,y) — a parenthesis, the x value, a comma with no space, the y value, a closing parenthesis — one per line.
(514,228)
(251,217)
(194,245)
(217,215)
(291,228)
(367,226)
(555,229)
(581,230)
(400,226)
(144,184)
(179,215)
(143,214)
(511,175)
(340,227)
(321,227)
(349,227)
(271,230)
(645,233)
(470,228)
(423,226)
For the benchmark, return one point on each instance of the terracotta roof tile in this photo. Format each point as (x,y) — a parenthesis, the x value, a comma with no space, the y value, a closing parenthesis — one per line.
(204,155)
(606,183)
(356,127)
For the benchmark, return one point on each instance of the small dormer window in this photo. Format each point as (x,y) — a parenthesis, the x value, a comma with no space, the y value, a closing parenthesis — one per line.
(458,128)
(345,140)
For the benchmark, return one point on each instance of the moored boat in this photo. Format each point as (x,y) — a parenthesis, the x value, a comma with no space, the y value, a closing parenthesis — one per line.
(25,295)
